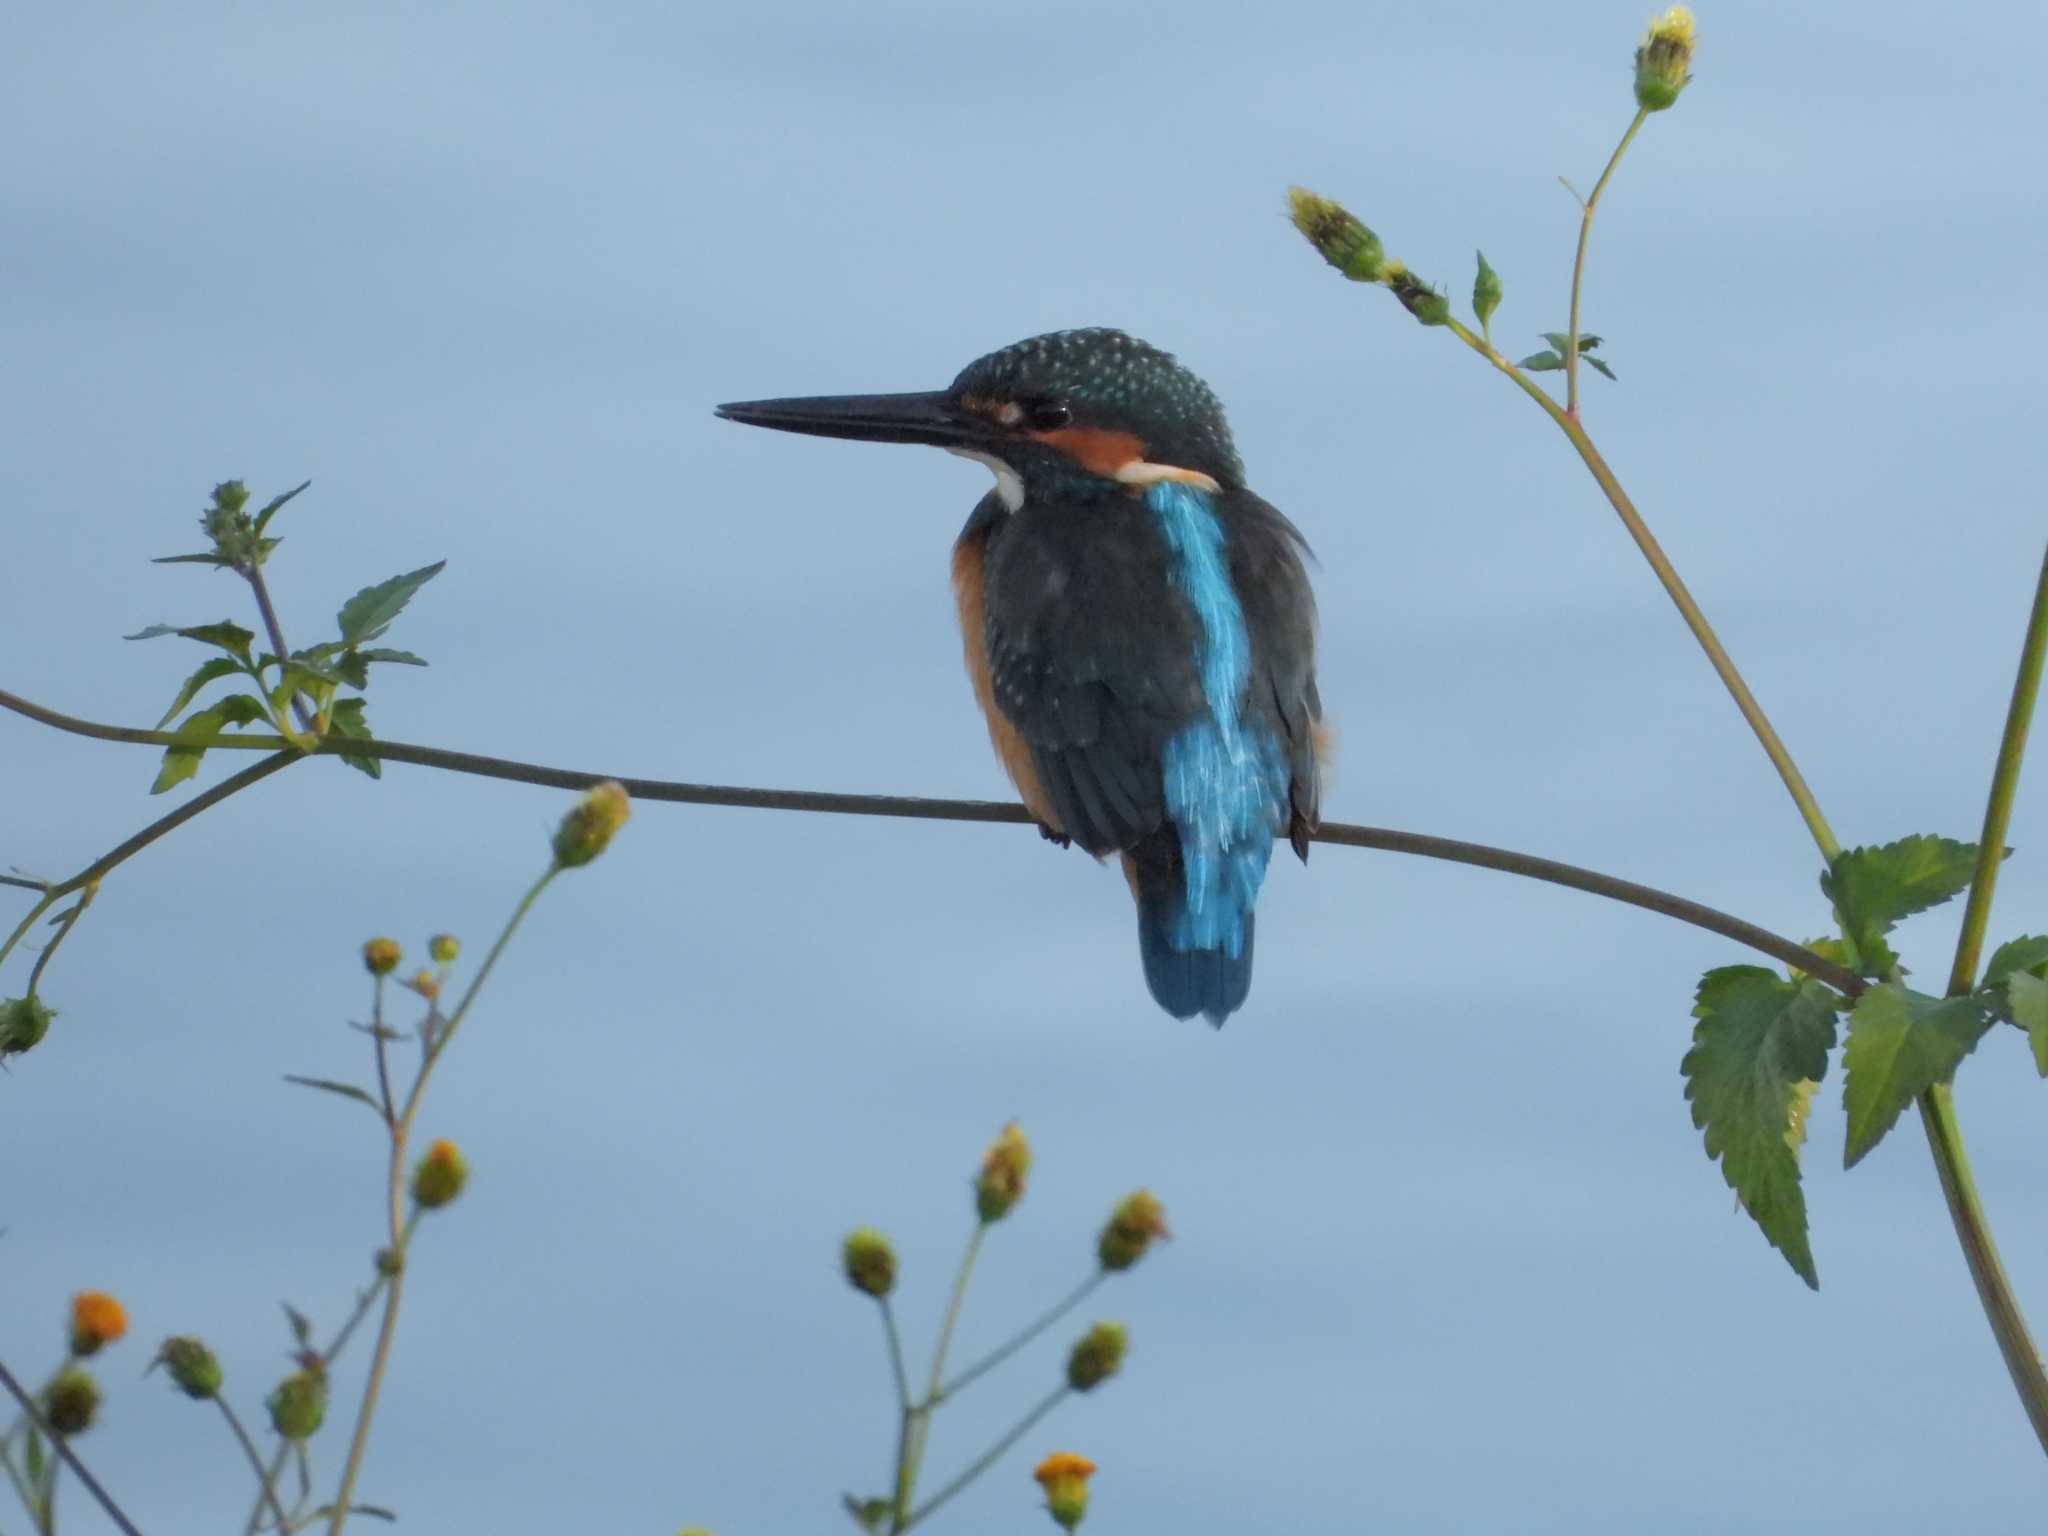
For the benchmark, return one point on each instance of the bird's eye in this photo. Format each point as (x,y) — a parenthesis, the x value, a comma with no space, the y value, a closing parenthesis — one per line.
(1048,416)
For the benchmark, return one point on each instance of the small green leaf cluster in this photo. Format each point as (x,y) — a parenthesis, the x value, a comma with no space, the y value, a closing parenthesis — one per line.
(1762,1041)
(1560,343)
(308,679)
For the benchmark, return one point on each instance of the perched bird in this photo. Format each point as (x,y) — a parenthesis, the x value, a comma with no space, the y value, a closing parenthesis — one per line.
(1139,629)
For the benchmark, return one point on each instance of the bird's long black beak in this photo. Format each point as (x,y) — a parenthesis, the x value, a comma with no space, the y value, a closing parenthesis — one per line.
(913,418)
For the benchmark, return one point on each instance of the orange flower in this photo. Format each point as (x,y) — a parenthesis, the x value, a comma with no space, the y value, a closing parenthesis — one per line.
(439,1176)
(96,1321)
(1064,1477)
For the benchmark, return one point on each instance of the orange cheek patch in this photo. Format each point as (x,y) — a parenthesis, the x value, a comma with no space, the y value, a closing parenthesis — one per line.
(1095,449)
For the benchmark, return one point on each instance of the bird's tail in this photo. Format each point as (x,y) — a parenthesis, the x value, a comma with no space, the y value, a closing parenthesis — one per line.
(1186,978)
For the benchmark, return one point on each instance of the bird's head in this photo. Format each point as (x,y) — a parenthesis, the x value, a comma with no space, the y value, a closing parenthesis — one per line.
(1092,406)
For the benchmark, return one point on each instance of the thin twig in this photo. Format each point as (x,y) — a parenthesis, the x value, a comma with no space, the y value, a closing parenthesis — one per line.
(1032,1330)
(1587,207)
(253,574)
(918,808)
(34,1414)
(265,1483)
(991,1456)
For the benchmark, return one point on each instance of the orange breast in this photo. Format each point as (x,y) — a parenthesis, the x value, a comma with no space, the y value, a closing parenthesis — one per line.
(1011,748)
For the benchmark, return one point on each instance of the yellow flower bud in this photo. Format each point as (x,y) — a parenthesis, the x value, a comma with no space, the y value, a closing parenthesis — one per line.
(442,948)
(1004,1168)
(1664,61)
(1064,1477)
(71,1400)
(587,830)
(1339,239)
(381,956)
(193,1367)
(1134,1225)
(298,1404)
(427,984)
(869,1262)
(1097,1356)
(439,1176)
(96,1321)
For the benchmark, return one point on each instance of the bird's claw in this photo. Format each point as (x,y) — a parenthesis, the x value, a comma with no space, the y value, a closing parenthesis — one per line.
(1059,839)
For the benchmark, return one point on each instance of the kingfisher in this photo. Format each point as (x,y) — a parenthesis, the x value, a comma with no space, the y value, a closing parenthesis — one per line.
(1139,629)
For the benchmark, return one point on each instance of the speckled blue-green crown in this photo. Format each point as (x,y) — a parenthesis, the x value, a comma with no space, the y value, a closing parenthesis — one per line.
(1114,380)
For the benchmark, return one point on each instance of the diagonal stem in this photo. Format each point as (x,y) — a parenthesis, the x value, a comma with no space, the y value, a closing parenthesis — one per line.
(991,1456)
(62,1446)
(1586,211)
(1030,1331)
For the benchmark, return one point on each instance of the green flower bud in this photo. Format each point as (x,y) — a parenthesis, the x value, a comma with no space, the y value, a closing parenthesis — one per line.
(70,1401)
(439,1176)
(1664,61)
(869,1262)
(193,1368)
(23,1023)
(1339,239)
(1097,1356)
(298,1404)
(587,830)
(381,956)
(1417,297)
(1004,1168)
(1138,1220)
(442,948)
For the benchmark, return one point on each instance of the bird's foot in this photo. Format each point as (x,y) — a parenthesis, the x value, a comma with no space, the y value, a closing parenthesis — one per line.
(1059,839)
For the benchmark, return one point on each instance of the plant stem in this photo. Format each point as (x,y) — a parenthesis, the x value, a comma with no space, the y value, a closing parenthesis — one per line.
(264,1484)
(1586,211)
(63,1449)
(1681,596)
(895,1353)
(922,808)
(989,1457)
(918,1422)
(401,1228)
(1032,1330)
(253,574)
(1937,1104)
(70,921)
(266,1488)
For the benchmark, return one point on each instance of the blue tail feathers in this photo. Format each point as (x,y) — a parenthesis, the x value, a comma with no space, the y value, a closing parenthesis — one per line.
(1184,976)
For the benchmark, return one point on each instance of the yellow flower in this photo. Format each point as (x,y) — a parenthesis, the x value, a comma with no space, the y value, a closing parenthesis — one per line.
(439,1176)
(96,1321)
(1134,1225)
(1004,1168)
(587,830)
(427,984)
(1064,1477)
(1664,61)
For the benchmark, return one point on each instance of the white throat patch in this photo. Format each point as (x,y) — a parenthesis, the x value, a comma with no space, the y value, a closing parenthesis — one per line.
(1009,484)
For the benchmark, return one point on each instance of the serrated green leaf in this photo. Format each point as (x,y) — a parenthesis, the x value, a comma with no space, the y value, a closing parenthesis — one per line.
(181,762)
(1485,291)
(2027,995)
(1596,365)
(347,720)
(219,667)
(1561,341)
(1760,1045)
(2022,954)
(1900,1044)
(1873,888)
(329,1085)
(318,653)
(1541,362)
(263,518)
(370,612)
(226,635)
(401,658)
(353,668)
(241,709)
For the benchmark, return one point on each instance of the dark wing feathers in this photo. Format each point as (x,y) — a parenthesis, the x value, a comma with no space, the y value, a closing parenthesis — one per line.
(1092,654)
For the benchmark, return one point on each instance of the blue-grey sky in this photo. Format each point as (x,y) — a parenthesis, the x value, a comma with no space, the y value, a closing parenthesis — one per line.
(1448,1256)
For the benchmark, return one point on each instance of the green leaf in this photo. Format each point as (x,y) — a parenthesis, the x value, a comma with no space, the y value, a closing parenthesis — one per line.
(241,709)
(1760,1047)
(263,518)
(329,1085)
(370,612)
(302,1325)
(32,1457)
(1900,1044)
(225,635)
(347,720)
(186,560)
(868,1514)
(1541,362)
(2028,996)
(2024,954)
(1561,341)
(1485,291)
(352,668)
(220,666)
(318,653)
(1596,365)
(181,762)
(1872,888)
(402,658)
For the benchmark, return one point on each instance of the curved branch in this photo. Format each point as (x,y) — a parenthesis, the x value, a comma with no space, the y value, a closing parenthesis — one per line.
(1343,834)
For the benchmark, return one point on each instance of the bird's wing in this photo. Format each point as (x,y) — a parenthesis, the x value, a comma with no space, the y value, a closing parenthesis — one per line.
(1280,614)
(1091,657)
